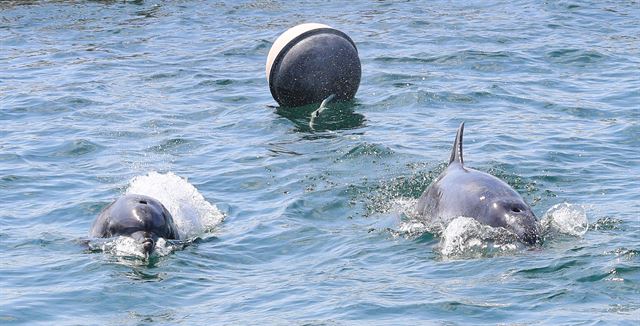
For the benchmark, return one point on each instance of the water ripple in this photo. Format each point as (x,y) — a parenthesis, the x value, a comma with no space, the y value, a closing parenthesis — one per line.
(317,224)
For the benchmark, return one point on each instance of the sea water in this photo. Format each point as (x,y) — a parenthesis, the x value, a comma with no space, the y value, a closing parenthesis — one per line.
(290,224)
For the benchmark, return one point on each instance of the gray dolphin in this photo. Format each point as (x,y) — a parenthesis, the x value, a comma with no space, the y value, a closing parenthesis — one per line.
(461,191)
(137,216)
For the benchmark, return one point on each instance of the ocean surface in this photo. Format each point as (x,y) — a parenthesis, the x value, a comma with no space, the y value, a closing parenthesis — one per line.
(291,225)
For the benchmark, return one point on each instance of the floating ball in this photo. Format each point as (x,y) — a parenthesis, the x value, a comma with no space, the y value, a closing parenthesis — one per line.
(310,62)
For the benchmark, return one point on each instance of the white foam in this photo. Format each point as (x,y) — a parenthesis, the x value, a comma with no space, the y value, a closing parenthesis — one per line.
(407,223)
(466,237)
(128,247)
(567,219)
(192,214)
(412,228)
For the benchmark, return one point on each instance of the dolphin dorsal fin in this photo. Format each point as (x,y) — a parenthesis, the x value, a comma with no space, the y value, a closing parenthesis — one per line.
(456,152)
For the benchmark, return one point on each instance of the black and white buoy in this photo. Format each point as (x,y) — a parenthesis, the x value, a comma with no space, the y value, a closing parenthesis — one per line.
(310,62)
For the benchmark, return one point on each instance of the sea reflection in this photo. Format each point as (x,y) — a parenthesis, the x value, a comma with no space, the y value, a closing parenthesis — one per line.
(337,116)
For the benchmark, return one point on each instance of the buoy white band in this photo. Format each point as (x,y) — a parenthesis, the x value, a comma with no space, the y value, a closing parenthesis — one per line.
(287,37)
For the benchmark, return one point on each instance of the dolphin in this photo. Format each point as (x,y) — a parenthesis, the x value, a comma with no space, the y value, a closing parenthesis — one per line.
(140,217)
(461,191)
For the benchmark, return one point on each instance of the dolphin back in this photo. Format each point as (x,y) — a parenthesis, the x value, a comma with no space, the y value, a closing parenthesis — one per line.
(100,225)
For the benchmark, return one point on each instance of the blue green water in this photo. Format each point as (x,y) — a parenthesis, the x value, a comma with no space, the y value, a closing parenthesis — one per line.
(96,93)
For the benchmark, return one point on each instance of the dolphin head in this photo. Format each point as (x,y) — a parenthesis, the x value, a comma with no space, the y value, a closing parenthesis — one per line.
(516,216)
(142,218)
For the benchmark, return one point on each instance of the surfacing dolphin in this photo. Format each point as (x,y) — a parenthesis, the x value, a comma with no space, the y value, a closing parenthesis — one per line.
(137,216)
(461,191)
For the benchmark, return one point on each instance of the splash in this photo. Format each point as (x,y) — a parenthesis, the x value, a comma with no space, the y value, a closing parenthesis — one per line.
(128,247)
(460,238)
(412,229)
(465,237)
(192,214)
(567,219)
(402,221)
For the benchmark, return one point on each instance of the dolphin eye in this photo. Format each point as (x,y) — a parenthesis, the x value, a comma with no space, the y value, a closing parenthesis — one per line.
(143,202)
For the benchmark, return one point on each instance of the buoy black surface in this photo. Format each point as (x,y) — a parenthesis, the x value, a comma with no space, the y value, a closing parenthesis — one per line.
(310,62)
